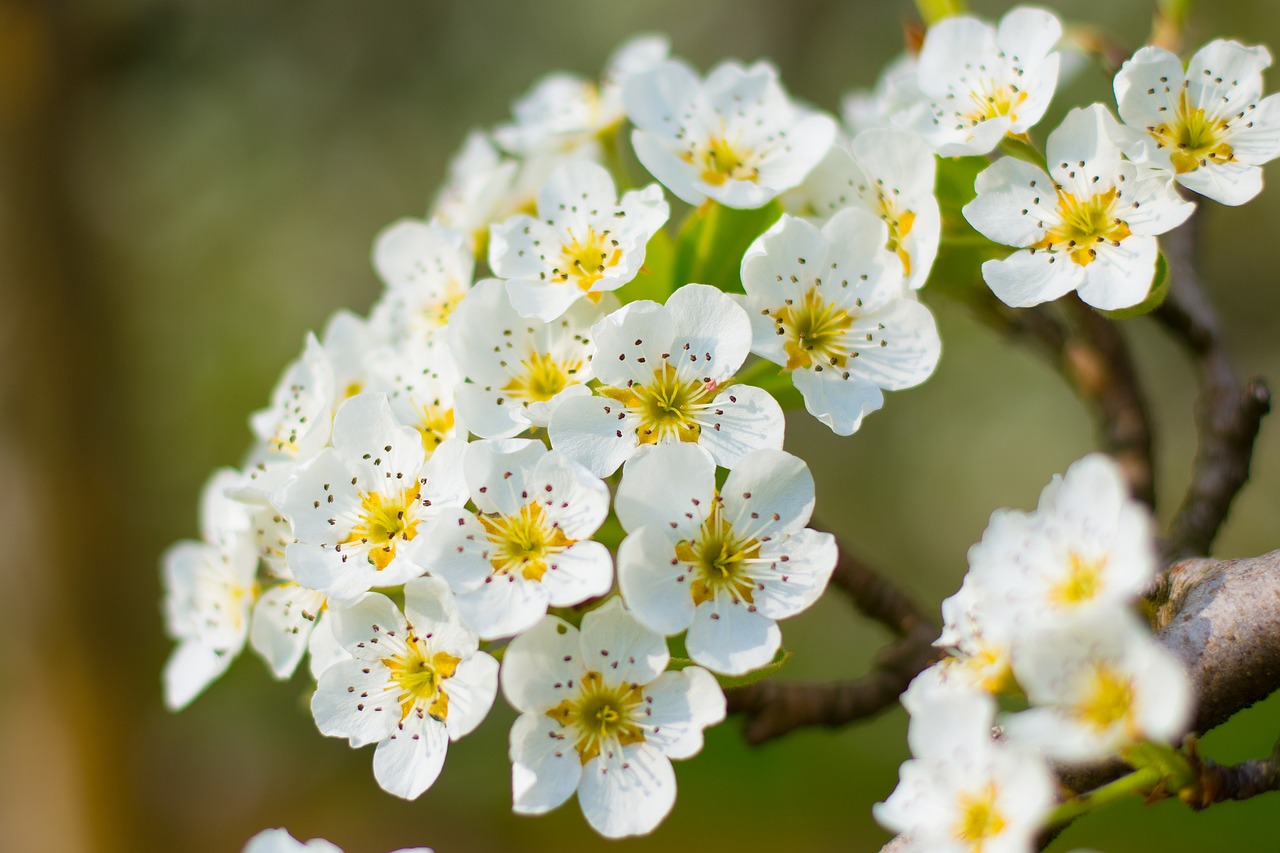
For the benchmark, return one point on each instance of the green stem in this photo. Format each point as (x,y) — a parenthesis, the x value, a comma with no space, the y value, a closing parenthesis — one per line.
(935,10)
(1138,782)
(758,371)
(710,216)
(1023,149)
(612,142)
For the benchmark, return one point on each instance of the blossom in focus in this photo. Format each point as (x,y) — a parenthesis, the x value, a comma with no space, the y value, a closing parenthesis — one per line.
(583,242)
(599,716)
(666,374)
(359,507)
(1090,225)
(415,681)
(1208,125)
(982,83)
(528,546)
(963,791)
(520,368)
(724,564)
(830,307)
(735,137)
(427,272)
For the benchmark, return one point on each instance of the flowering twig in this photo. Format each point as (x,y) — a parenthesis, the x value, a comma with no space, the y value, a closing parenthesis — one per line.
(1228,412)
(1217,784)
(879,598)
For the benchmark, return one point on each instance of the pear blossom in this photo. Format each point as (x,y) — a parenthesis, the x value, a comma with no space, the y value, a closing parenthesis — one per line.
(978,634)
(415,681)
(1208,126)
(583,242)
(983,82)
(528,546)
(896,94)
(666,375)
(564,111)
(290,620)
(520,368)
(964,792)
(1090,225)
(890,174)
(724,564)
(599,716)
(1089,545)
(427,271)
(280,841)
(209,592)
(359,507)
(296,425)
(1097,684)
(735,137)
(420,381)
(830,307)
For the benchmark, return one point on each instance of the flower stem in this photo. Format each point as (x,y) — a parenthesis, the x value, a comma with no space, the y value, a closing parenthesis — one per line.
(1138,782)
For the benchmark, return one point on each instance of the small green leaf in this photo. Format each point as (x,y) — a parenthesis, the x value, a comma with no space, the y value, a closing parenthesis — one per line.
(1174,768)
(655,280)
(1155,297)
(712,241)
(729,681)
(955,181)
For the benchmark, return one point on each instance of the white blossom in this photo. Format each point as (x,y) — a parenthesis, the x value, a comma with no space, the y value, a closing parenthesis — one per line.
(1208,126)
(829,306)
(414,682)
(724,564)
(427,272)
(896,94)
(583,242)
(666,375)
(983,82)
(529,544)
(296,425)
(599,716)
(1090,225)
(735,137)
(520,368)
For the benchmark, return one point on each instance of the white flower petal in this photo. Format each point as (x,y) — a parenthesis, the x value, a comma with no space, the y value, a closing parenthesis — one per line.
(410,759)
(794,585)
(1120,276)
(595,432)
(629,795)
(668,487)
(544,766)
(1014,201)
(769,493)
(653,583)
(471,691)
(191,667)
(539,664)
(582,571)
(356,700)
(836,402)
(1029,277)
(283,618)
(741,419)
(730,637)
(679,705)
(620,648)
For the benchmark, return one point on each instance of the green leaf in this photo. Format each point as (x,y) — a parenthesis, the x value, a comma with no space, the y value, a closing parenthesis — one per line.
(730,681)
(1175,770)
(1155,297)
(655,280)
(712,241)
(955,182)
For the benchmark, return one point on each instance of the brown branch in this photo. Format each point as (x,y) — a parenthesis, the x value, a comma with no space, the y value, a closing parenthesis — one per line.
(774,708)
(1218,784)
(879,598)
(1228,412)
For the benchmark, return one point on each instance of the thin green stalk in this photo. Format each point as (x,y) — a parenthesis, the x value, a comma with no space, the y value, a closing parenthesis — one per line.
(1138,782)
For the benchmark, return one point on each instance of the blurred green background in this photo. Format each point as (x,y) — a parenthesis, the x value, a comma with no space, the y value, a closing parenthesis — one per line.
(187,187)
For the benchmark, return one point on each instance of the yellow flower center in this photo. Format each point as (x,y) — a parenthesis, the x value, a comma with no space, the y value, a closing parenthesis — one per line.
(1083,223)
(667,406)
(1195,137)
(991,100)
(719,560)
(585,260)
(384,520)
(420,677)
(435,423)
(900,223)
(980,819)
(724,161)
(601,715)
(1109,701)
(1083,580)
(815,331)
(435,314)
(523,542)
(541,377)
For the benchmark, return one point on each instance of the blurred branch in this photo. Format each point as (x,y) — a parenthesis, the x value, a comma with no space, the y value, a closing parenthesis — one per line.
(1242,781)
(1228,412)
(773,708)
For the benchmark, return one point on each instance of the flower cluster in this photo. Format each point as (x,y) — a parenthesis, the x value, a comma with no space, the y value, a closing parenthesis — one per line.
(1044,619)
(552,452)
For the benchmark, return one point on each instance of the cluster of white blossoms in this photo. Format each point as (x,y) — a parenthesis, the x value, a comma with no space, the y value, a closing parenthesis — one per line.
(1045,619)
(551,455)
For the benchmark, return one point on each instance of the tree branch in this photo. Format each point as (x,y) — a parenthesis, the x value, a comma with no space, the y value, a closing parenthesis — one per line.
(879,598)
(1217,784)
(1228,412)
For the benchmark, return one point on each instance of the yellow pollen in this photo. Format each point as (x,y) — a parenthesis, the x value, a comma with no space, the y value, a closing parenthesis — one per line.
(435,314)
(523,542)
(1110,700)
(667,406)
(585,260)
(420,677)
(992,101)
(1084,222)
(1083,580)
(601,714)
(1194,137)
(723,161)
(352,389)
(979,818)
(435,423)
(384,520)
(719,560)
(815,331)
(900,224)
(541,378)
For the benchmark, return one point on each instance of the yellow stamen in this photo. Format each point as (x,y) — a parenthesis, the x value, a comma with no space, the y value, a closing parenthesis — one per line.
(1083,580)
(420,678)
(1194,137)
(718,559)
(601,714)
(1085,222)
(815,331)
(542,377)
(667,406)
(524,542)
(980,819)
(384,520)
(1110,700)
(584,260)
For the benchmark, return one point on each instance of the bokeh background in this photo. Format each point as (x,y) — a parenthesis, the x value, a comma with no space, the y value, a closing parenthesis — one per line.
(186,187)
